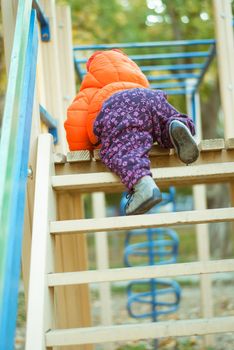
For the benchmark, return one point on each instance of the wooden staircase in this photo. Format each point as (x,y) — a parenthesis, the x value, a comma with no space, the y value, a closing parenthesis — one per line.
(54,177)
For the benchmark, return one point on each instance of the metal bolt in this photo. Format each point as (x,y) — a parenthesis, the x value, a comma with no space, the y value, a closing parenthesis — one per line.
(30,172)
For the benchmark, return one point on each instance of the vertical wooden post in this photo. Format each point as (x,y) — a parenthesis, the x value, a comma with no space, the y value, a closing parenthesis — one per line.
(71,252)
(189,103)
(9,9)
(26,248)
(71,255)
(102,259)
(225,54)
(202,231)
(40,76)
(53,90)
(67,72)
(232,200)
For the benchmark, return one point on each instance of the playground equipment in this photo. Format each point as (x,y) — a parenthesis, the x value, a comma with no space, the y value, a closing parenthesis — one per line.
(157,247)
(58,313)
(157,73)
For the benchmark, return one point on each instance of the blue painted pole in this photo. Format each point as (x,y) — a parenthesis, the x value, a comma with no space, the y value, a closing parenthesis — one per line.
(18,191)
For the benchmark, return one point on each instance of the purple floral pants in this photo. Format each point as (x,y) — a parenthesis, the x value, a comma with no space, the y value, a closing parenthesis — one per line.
(127,126)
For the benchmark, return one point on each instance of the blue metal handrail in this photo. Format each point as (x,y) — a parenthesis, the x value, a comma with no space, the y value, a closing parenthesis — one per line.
(14,154)
(50,122)
(165,56)
(43,20)
(145,44)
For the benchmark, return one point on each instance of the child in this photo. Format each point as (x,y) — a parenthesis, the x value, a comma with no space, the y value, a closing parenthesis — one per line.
(116,109)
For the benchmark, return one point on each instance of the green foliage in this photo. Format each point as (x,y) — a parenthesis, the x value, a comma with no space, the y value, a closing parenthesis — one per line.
(133,347)
(104,21)
(182,344)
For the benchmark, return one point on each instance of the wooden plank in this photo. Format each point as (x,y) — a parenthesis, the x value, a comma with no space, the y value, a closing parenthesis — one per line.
(40,317)
(71,255)
(229,143)
(156,150)
(164,176)
(199,197)
(41,87)
(65,46)
(146,272)
(164,161)
(225,53)
(78,156)
(211,145)
(102,258)
(8,10)
(59,158)
(96,155)
(142,221)
(203,248)
(141,331)
(51,75)
(193,107)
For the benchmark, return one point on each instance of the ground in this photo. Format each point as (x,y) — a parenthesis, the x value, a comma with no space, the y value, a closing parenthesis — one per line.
(189,308)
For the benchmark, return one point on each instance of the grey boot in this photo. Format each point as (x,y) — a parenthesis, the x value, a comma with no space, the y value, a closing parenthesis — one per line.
(184,143)
(144,196)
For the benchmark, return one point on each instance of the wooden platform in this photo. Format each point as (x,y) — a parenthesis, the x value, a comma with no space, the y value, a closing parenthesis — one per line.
(84,172)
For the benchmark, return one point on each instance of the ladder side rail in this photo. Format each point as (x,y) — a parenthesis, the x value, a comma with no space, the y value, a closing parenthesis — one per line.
(40,316)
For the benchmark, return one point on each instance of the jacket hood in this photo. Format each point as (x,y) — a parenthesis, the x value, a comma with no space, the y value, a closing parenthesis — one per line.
(111,66)
(96,53)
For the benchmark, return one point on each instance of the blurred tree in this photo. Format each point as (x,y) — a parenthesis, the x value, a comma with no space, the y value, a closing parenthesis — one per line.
(113,21)
(135,20)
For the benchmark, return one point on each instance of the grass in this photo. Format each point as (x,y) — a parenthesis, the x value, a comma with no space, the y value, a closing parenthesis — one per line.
(116,244)
(167,344)
(134,347)
(21,320)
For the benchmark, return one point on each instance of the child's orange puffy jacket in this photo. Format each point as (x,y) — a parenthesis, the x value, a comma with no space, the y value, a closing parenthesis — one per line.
(107,72)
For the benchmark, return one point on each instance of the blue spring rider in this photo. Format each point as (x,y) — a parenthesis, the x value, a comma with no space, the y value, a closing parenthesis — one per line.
(152,298)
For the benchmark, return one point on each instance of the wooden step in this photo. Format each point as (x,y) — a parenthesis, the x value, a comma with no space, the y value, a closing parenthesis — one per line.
(136,273)
(169,176)
(204,146)
(119,223)
(128,332)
